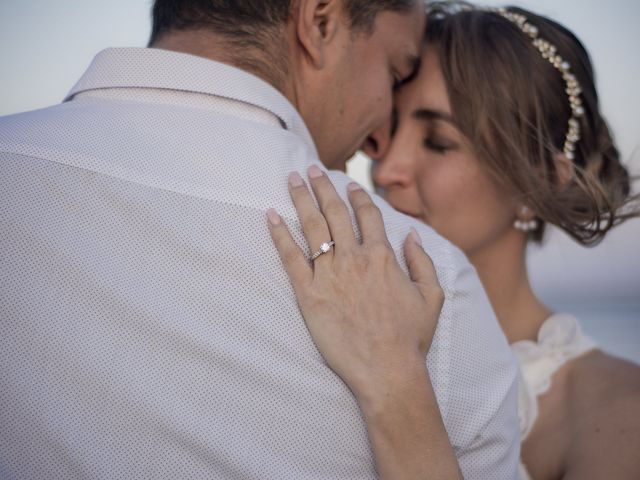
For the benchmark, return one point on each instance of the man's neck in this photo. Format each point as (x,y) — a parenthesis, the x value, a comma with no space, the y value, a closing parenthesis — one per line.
(207,44)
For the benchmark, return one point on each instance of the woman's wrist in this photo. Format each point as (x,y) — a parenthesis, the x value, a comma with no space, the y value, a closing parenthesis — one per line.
(379,394)
(406,429)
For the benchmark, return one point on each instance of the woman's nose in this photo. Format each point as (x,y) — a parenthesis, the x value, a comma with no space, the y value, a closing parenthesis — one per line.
(395,169)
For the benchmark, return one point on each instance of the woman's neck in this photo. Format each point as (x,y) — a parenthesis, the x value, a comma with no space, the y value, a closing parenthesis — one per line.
(503,272)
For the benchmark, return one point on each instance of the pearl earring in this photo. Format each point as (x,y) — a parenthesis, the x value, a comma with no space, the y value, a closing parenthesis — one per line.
(525,226)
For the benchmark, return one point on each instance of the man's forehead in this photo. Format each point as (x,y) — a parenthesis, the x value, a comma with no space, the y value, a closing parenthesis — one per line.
(416,19)
(405,31)
(405,26)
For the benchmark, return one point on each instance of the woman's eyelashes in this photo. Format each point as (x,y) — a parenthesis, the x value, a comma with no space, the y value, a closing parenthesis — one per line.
(437,146)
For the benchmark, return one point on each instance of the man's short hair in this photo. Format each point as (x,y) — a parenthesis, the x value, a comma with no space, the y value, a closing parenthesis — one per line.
(252,22)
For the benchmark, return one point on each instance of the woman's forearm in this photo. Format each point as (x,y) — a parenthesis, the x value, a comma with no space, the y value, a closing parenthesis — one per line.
(406,429)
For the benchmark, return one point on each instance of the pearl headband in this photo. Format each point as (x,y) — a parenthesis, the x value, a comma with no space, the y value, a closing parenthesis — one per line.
(549,52)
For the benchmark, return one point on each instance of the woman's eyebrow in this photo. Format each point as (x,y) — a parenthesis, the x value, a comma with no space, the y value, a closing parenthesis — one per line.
(430,114)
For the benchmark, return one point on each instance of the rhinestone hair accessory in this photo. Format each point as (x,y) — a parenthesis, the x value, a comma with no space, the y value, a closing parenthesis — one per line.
(549,52)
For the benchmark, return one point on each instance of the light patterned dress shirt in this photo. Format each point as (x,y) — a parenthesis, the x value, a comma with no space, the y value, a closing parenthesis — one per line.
(148,329)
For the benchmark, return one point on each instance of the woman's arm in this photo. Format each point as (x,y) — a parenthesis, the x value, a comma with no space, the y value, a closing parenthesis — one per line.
(372,323)
(406,430)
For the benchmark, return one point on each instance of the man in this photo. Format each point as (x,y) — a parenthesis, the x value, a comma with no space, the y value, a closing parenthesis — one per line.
(148,327)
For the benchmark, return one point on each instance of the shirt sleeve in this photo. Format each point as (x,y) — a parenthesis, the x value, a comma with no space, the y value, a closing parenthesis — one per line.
(481,409)
(472,368)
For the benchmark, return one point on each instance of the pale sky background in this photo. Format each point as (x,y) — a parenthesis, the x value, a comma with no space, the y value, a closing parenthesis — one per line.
(45,47)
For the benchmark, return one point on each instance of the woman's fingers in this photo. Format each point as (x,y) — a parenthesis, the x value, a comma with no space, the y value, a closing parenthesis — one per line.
(293,259)
(421,270)
(314,225)
(333,207)
(368,215)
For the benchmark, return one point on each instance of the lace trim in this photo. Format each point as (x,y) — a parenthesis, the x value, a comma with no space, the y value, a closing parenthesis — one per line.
(560,340)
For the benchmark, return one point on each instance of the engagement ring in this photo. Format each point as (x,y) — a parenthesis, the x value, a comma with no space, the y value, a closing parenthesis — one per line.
(324,248)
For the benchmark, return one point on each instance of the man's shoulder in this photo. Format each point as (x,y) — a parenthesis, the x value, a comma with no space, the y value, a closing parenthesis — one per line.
(18,120)
(37,126)
(23,133)
(447,258)
(469,353)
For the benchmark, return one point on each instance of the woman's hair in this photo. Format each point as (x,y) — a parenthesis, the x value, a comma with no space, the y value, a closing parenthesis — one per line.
(512,104)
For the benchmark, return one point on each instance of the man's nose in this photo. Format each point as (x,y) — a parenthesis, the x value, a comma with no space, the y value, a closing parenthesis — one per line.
(377,143)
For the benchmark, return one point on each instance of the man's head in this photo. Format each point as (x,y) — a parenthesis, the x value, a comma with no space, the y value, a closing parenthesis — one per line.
(336,60)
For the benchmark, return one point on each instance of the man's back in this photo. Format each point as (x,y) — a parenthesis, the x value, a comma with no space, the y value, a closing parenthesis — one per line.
(148,327)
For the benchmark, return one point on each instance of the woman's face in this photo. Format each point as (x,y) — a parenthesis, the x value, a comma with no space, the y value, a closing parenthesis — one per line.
(427,169)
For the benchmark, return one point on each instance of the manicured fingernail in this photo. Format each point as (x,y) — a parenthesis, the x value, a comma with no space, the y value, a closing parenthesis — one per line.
(295,180)
(315,172)
(273,217)
(353,187)
(416,238)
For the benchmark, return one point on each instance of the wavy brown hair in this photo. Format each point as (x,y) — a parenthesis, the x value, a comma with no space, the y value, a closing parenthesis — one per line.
(512,105)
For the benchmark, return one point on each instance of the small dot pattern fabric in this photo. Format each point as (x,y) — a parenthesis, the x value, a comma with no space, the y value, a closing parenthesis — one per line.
(148,329)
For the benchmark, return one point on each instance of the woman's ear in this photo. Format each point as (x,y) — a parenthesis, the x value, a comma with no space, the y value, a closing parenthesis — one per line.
(564,170)
(316,25)
(525,219)
(524,213)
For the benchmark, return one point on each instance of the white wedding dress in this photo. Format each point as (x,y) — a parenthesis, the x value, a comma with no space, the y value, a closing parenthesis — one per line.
(560,340)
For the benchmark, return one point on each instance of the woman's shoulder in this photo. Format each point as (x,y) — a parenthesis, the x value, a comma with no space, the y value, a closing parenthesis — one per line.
(599,381)
(607,368)
(603,393)
(588,403)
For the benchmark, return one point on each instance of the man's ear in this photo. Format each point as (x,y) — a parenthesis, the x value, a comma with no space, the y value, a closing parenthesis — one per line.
(316,25)
(564,170)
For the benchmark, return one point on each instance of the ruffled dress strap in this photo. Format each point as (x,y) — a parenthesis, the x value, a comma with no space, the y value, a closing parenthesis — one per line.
(560,340)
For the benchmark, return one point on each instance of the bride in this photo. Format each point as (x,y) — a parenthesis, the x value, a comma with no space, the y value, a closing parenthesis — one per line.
(499,135)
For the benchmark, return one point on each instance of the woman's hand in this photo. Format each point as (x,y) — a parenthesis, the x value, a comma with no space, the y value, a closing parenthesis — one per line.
(372,323)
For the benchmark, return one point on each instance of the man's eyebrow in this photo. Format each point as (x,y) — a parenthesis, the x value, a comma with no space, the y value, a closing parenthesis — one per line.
(430,114)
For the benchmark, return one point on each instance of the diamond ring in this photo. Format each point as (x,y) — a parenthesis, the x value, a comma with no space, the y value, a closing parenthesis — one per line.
(324,248)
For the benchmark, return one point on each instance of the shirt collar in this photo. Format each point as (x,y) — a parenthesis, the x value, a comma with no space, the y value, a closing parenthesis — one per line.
(155,68)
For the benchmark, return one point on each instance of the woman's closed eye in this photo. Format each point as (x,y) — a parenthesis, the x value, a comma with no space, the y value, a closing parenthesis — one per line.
(439,146)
